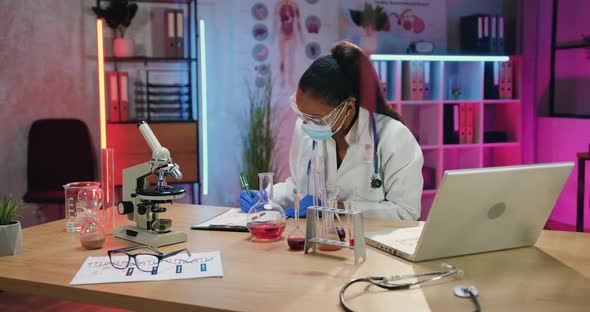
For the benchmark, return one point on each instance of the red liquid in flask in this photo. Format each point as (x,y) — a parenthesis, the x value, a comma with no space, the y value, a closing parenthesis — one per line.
(265,231)
(296,243)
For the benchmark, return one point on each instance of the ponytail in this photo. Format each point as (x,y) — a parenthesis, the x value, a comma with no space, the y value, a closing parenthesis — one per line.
(346,72)
(360,71)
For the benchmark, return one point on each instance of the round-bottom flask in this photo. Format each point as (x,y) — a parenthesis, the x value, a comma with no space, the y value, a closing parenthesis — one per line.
(266,219)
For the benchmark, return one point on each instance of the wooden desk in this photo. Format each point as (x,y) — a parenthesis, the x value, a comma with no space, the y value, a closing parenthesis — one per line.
(582,158)
(553,276)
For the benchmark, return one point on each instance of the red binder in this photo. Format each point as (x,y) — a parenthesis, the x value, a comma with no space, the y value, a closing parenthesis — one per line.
(470,116)
(462,123)
(123,96)
(112,79)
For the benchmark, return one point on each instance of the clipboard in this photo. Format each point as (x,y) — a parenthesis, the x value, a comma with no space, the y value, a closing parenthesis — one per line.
(233,220)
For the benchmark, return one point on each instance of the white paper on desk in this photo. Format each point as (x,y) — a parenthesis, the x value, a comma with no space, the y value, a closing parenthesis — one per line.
(234,216)
(98,270)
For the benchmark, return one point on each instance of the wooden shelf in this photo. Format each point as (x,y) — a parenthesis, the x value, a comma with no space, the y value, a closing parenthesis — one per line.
(422,102)
(502,101)
(428,147)
(147,59)
(428,117)
(157,1)
(462,101)
(461,146)
(149,121)
(502,144)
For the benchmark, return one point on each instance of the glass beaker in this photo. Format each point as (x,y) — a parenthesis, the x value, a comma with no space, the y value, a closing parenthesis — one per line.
(332,227)
(90,199)
(266,219)
(74,214)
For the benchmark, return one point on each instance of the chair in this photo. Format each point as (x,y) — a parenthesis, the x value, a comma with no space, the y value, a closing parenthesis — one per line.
(59,151)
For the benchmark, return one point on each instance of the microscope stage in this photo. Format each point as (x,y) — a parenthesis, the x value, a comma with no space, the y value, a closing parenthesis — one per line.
(161,191)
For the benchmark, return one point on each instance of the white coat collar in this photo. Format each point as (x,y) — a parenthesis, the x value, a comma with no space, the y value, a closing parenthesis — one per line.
(359,129)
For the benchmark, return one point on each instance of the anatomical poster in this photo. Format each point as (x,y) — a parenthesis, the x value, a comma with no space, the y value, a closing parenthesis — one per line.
(390,26)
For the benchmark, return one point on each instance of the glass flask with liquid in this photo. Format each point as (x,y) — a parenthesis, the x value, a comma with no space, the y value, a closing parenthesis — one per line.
(266,220)
(296,239)
(92,234)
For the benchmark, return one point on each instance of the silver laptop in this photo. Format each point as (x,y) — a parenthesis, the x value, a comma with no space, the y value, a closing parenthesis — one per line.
(479,210)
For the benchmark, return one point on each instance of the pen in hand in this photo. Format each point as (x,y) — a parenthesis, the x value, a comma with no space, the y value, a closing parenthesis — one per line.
(245,185)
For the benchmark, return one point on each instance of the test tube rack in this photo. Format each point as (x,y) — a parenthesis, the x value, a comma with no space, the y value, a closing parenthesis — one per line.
(358,245)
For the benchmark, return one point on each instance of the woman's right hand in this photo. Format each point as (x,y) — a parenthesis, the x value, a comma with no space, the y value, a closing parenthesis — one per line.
(245,202)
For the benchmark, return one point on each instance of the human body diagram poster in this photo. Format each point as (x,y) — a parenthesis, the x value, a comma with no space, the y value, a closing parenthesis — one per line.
(98,270)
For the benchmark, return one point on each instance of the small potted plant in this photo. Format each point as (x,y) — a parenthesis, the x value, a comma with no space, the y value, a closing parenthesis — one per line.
(371,19)
(11,241)
(118,16)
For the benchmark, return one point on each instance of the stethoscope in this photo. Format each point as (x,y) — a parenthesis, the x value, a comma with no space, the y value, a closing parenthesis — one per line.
(375,180)
(401,282)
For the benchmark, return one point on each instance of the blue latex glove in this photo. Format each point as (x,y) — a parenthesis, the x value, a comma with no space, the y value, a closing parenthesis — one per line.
(305,202)
(245,202)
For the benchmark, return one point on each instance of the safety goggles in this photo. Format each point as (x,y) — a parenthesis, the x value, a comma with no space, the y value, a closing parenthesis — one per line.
(326,120)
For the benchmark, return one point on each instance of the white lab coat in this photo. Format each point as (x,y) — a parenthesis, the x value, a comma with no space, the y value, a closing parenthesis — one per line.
(400,168)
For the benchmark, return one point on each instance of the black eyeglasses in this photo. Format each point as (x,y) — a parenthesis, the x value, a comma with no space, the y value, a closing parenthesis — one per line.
(147,262)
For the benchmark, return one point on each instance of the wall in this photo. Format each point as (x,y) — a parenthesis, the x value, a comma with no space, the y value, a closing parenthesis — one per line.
(229,64)
(231,67)
(47,70)
(557,139)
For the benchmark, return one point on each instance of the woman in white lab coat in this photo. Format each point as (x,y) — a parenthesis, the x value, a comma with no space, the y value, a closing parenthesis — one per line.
(340,105)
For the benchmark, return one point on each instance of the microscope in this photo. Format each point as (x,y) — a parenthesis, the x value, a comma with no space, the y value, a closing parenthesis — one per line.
(142,201)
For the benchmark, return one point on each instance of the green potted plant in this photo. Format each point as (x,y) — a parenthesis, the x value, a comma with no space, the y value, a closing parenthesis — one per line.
(371,19)
(11,241)
(258,142)
(118,16)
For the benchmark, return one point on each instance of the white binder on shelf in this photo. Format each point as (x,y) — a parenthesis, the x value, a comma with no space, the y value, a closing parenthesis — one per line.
(180,33)
(170,33)
(123,96)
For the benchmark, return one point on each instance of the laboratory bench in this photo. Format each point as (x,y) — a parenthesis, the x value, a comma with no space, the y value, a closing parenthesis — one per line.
(551,276)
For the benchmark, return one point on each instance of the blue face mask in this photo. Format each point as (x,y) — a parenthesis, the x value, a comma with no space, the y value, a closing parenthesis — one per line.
(321,132)
(317,132)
